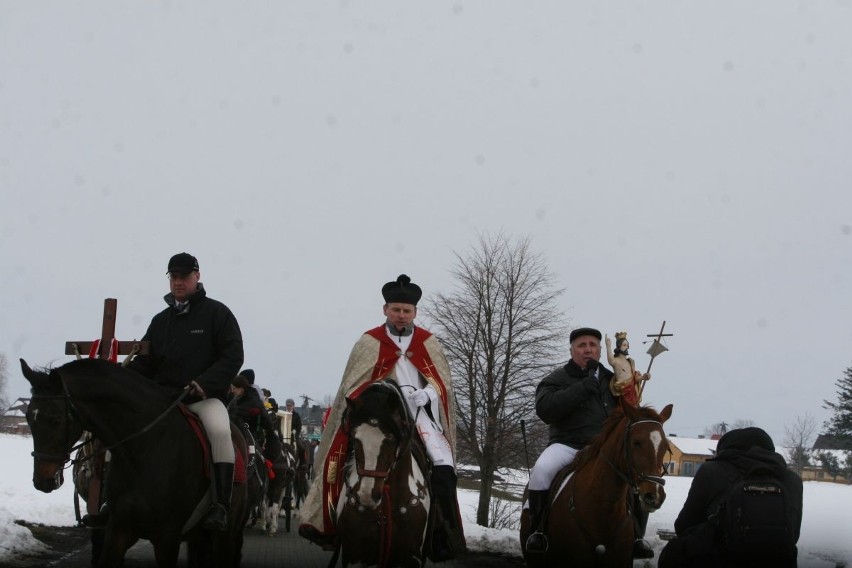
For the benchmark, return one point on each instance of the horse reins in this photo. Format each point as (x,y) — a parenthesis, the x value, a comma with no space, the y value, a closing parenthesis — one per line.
(71,411)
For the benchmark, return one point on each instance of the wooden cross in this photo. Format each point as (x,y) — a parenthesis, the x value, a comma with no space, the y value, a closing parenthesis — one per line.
(657,337)
(107,335)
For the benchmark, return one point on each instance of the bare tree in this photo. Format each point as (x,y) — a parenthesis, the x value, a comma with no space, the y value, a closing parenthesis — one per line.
(798,438)
(500,328)
(4,382)
(720,428)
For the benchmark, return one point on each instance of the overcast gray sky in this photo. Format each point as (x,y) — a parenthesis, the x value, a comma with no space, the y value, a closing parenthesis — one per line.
(678,161)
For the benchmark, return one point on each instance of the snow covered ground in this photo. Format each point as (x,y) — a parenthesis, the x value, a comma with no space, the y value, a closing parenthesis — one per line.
(824,543)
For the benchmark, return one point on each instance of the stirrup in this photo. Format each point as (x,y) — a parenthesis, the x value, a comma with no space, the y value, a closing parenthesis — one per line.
(216,519)
(537,543)
(96,520)
(641,549)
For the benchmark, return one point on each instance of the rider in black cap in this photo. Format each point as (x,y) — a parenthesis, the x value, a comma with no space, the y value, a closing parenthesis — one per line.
(196,342)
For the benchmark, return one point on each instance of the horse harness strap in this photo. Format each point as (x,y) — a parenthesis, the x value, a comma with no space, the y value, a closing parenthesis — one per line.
(70,409)
(658,479)
(69,412)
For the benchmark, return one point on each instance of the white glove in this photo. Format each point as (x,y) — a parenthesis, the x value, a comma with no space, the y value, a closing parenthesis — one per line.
(419,397)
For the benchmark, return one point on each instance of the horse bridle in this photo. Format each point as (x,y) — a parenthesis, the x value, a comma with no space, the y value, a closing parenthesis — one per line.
(632,478)
(405,442)
(384,474)
(70,414)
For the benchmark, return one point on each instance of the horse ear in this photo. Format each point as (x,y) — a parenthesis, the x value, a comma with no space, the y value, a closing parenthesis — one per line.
(34,377)
(666,413)
(25,369)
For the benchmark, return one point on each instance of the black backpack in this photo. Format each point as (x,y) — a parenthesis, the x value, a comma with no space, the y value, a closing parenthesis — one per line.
(753,518)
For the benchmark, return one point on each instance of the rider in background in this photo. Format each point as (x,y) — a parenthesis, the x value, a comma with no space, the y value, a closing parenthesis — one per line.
(412,357)
(296,434)
(296,421)
(249,375)
(575,401)
(196,342)
(246,407)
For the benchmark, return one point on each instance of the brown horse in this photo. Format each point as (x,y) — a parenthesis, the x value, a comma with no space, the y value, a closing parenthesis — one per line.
(158,487)
(590,522)
(384,510)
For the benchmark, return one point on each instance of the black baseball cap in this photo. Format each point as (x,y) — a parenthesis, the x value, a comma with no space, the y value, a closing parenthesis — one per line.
(183,263)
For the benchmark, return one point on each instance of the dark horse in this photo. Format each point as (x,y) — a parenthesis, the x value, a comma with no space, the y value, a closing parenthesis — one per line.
(279,493)
(590,522)
(159,486)
(386,502)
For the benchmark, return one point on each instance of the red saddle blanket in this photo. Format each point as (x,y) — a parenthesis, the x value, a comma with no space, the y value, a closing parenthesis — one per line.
(197,427)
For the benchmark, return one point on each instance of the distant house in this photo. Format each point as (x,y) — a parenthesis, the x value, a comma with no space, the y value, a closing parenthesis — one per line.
(827,444)
(311,420)
(14,418)
(688,454)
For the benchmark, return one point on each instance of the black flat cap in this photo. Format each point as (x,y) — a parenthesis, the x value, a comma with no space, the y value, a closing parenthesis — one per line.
(580,331)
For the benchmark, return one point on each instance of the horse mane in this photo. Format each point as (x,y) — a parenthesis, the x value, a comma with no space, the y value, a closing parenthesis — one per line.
(97,380)
(613,421)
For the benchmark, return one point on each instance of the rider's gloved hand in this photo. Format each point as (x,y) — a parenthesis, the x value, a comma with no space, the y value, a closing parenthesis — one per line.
(196,390)
(419,397)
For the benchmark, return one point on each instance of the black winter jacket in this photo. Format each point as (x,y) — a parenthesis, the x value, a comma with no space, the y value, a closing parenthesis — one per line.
(249,409)
(202,343)
(574,403)
(738,452)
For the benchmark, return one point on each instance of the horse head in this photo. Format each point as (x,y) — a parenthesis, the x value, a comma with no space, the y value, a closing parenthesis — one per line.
(379,427)
(54,426)
(645,449)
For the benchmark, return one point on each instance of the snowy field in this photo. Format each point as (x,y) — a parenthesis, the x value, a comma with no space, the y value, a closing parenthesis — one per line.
(824,543)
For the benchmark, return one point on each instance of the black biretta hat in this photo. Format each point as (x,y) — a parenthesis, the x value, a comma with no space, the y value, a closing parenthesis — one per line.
(183,263)
(401,291)
(581,331)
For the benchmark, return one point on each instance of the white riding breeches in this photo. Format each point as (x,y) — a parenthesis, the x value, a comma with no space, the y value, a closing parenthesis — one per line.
(214,416)
(437,447)
(552,459)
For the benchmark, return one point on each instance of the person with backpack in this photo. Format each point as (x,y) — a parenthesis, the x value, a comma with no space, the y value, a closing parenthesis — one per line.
(744,508)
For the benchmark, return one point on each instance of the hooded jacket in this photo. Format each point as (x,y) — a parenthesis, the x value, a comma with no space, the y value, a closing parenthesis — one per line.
(737,452)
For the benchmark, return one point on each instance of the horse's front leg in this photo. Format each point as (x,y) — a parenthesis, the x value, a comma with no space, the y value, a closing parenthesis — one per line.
(166,553)
(116,543)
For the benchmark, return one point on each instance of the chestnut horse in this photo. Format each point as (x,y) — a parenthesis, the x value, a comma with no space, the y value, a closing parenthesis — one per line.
(590,522)
(159,484)
(384,508)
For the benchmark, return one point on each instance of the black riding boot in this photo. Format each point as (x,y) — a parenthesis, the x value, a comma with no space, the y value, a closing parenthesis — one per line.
(223,480)
(447,537)
(641,548)
(537,541)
